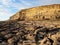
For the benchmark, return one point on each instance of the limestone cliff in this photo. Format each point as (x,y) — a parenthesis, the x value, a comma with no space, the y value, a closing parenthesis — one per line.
(47,12)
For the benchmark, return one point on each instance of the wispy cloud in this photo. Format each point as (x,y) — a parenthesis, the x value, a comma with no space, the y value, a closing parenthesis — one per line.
(9,8)
(4,13)
(25,2)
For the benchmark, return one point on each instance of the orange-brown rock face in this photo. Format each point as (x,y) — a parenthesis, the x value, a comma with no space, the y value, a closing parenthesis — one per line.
(48,12)
(33,26)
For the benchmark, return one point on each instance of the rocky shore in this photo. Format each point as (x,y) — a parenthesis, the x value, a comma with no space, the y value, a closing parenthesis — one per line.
(28,33)
(33,26)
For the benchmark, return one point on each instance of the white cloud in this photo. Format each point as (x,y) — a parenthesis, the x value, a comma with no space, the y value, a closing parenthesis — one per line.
(4,13)
(5,8)
(25,2)
(10,3)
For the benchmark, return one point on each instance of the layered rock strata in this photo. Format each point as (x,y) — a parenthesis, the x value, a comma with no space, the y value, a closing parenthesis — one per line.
(33,26)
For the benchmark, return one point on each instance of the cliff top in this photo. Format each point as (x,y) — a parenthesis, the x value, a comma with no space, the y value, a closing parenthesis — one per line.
(38,13)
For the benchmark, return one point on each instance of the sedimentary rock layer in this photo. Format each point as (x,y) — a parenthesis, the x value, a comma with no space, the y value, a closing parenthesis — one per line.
(47,12)
(34,26)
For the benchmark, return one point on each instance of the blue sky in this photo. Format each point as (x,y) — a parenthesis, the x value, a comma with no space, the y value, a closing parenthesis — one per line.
(10,7)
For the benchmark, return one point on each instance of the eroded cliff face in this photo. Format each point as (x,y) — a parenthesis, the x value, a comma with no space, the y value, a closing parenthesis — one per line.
(22,30)
(48,12)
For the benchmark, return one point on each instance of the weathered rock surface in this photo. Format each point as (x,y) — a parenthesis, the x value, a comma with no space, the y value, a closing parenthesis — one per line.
(28,33)
(48,12)
(25,29)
